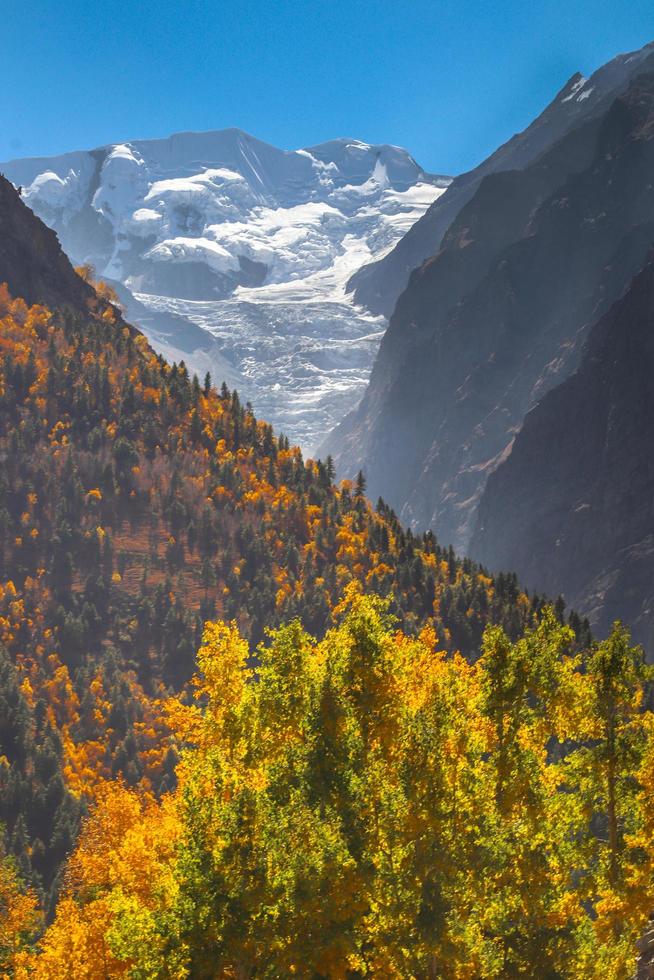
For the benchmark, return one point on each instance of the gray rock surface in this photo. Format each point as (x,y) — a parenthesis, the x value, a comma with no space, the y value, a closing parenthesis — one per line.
(571,510)
(500,315)
(379,284)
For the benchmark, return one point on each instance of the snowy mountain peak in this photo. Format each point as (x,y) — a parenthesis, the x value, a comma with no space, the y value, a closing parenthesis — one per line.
(209,198)
(252,243)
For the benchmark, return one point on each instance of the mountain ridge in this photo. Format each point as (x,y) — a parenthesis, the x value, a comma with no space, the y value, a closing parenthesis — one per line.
(499,317)
(379,285)
(34,162)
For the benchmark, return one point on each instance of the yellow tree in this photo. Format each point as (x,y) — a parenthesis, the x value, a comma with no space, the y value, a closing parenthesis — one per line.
(369,806)
(20,918)
(119,872)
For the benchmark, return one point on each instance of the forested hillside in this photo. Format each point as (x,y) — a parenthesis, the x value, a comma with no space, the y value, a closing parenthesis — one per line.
(136,503)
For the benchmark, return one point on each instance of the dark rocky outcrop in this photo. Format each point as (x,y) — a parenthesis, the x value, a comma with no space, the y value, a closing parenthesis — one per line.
(499,316)
(572,508)
(32,262)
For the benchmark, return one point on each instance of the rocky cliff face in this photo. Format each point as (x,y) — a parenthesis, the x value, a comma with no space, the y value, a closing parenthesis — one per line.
(378,285)
(31,260)
(499,316)
(572,508)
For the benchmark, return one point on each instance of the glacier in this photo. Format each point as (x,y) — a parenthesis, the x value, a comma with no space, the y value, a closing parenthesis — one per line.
(234,255)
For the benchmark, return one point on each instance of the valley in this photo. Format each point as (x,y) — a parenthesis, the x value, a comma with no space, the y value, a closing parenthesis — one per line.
(327,495)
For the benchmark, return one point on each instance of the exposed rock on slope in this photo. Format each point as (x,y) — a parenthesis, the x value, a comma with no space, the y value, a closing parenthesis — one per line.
(379,284)
(572,508)
(31,260)
(499,316)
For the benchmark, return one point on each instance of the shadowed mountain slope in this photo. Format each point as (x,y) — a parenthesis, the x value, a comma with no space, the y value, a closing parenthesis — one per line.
(572,508)
(378,285)
(499,316)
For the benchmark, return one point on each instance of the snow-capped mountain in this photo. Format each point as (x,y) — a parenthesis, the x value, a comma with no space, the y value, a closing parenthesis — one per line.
(250,243)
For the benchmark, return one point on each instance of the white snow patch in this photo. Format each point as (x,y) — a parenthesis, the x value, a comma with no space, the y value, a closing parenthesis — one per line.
(194,250)
(145,222)
(578,85)
(50,191)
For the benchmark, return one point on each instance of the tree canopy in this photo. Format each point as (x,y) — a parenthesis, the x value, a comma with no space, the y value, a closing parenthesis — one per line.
(368,804)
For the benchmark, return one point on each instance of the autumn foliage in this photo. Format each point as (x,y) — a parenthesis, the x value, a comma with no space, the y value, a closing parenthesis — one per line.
(136,503)
(376,801)
(369,805)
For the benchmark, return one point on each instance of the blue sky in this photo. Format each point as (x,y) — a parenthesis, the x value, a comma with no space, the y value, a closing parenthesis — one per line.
(448,80)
